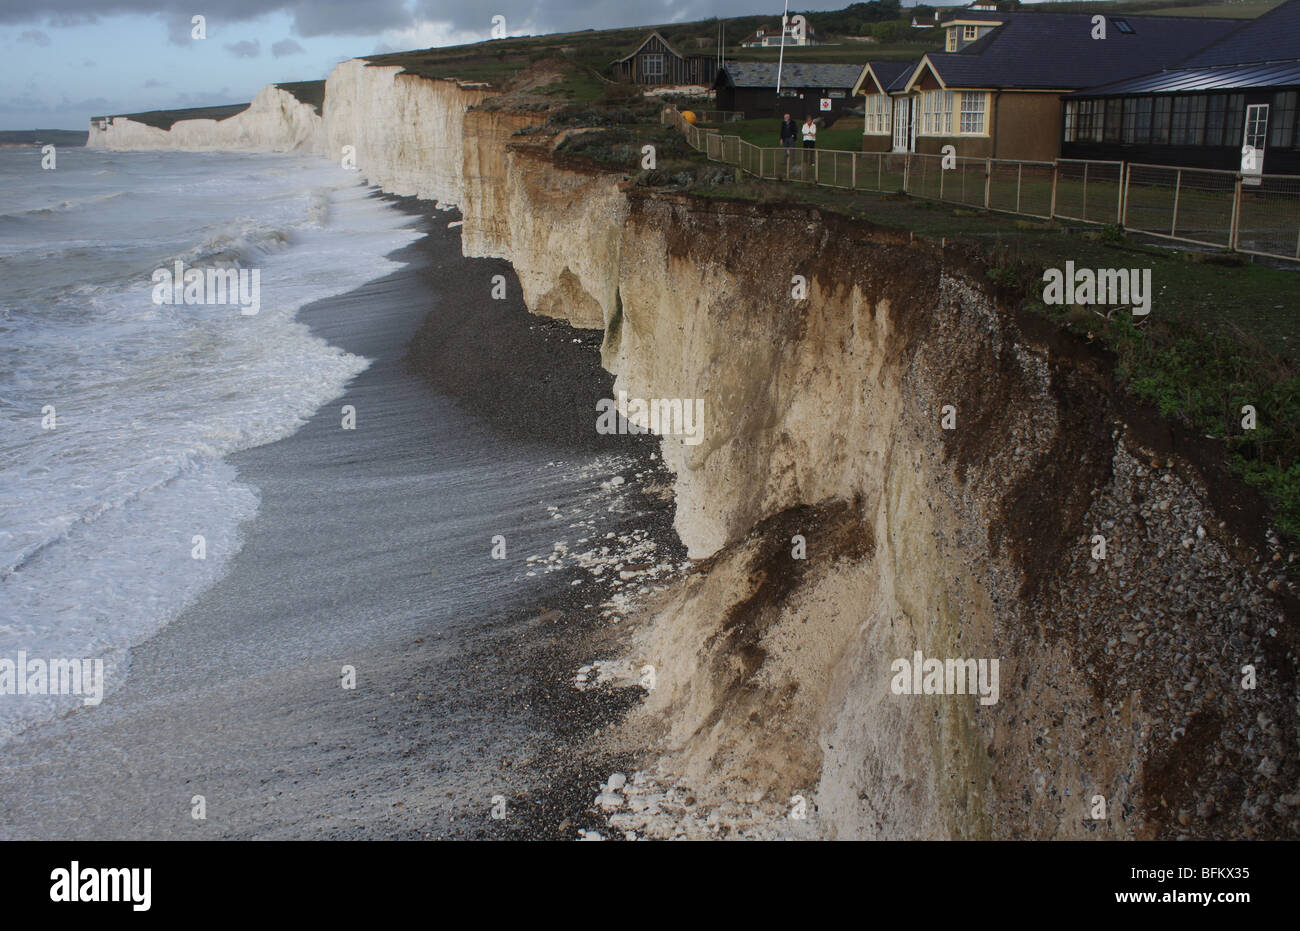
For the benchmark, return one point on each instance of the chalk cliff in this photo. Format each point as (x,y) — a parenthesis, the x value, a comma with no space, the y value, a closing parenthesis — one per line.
(276,121)
(1121,678)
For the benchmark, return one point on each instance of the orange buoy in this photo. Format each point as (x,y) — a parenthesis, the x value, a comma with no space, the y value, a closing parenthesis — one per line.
(689,116)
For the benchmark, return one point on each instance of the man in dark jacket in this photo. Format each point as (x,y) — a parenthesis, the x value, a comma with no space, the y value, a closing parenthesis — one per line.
(789,132)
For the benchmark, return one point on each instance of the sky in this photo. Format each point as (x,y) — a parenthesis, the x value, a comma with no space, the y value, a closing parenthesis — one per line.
(64,61)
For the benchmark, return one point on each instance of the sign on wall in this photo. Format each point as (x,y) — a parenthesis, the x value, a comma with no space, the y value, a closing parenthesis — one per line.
(826,103)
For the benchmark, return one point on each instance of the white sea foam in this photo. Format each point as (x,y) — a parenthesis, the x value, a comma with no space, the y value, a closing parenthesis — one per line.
(98,516)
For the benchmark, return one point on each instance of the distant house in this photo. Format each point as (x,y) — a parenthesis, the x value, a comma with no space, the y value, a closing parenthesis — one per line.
(820,90)
(999,94)
(1241,90)
(770,37)
(657,62)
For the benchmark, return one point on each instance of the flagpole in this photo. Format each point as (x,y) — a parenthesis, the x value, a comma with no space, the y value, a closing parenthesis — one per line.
(780,58)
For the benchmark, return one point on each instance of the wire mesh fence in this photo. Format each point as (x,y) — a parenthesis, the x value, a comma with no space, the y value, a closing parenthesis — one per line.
(1193,205)
(1088,191)
(1268,217)
(1189,204)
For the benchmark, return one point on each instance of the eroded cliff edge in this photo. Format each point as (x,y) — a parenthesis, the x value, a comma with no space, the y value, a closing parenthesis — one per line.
(1120,678)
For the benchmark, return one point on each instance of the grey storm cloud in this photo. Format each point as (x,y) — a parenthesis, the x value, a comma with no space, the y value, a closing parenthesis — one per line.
(349,17)
(35,36)
(245,49)
(286,47)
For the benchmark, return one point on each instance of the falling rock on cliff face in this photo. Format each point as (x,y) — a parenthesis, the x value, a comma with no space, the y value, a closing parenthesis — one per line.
(275,121)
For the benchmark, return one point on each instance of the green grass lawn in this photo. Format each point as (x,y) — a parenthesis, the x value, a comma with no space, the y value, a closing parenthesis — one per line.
(767,132)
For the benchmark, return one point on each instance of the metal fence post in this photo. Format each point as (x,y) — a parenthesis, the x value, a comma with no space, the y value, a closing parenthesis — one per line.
(1126,175)
(941,176)
(1121,203)
(1178,187)
(1056,170)
(988,181)
(853,172)
(1020,173)
(1234,224)
(880,167)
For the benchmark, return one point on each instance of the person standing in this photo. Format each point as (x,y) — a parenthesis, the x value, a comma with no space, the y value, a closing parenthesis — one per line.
(809,133)
(788,133)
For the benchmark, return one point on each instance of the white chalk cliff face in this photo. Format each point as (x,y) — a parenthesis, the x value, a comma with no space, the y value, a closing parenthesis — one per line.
(405,132)
(821,420)
(276,121)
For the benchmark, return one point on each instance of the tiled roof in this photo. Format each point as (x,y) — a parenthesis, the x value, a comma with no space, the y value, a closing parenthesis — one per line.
(763,74)
(1056,50)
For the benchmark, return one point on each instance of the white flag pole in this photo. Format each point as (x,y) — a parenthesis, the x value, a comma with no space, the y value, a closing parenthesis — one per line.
(780,59)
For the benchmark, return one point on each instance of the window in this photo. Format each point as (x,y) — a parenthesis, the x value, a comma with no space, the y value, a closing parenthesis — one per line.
(1071,114)
(1084,122)
(1123,26)
(1130,120)
(652,67)
(1141,120)
(1160,126)
(935,113)
(970,32)
(1114,119)
(1282,131)
(972,113)
(950,44)
(1214,120)
(1196,121)
(1233,120)
(1178,129)
(877,118)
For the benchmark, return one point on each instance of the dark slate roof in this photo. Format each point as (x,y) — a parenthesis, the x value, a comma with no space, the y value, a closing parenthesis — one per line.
(893,74)
(763,74)
(1192,80)
(1275,36)
(654,35)
(1056,50)
(1264,52)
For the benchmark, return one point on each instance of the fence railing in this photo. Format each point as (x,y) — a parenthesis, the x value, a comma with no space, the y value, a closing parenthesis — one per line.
(1192,205)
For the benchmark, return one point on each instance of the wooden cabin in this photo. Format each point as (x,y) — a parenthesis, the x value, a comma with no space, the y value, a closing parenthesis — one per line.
(657,62)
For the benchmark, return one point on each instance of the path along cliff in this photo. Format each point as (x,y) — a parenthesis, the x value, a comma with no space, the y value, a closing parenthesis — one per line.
(1147,694)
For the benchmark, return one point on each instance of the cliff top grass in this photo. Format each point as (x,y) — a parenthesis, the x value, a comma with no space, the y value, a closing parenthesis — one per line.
(309,92)
(164,119)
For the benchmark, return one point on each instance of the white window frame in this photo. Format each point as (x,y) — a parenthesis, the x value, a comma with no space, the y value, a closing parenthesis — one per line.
(973,112)
(878,110)
(970,33)
(951,44)
(935,115)
(660,58)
